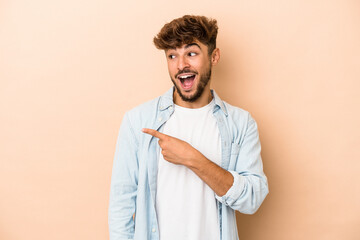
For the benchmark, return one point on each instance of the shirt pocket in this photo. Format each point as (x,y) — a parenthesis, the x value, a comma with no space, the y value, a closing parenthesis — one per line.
(234,153)
(235,149)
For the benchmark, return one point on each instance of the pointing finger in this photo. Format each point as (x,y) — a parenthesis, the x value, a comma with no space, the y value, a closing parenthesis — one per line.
(154,133)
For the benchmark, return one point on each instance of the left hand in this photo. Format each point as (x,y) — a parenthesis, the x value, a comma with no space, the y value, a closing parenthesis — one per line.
(173,149)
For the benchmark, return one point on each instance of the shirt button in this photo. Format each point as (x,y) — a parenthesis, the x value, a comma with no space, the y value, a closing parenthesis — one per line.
(153,230)
(160,118)
(170,107)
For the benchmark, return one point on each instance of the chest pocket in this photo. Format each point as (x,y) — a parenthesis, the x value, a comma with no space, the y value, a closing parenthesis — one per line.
(234,153)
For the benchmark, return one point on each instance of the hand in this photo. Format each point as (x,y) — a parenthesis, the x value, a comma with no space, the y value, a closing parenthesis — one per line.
(175,150)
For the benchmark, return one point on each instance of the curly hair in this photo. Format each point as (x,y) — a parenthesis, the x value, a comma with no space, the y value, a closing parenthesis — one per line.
(186,30)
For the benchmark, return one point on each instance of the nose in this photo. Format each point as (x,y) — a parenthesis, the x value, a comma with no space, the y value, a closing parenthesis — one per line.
(182,63)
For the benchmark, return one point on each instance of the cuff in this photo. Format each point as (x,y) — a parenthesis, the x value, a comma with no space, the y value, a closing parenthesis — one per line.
(234,191)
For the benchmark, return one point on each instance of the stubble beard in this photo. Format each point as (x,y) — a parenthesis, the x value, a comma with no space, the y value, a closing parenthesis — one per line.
(204,80)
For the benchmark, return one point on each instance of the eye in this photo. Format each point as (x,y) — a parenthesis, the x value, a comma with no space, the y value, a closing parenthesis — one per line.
(171,56)
(192,54)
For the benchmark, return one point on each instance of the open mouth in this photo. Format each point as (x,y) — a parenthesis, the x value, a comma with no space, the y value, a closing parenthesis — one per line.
(187,80)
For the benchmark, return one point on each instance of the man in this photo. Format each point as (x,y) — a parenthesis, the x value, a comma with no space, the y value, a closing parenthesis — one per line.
(186,160)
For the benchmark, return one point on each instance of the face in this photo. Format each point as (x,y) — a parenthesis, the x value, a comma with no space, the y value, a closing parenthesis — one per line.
(190,69)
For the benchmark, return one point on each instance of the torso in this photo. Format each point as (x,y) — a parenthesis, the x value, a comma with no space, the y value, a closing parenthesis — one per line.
(186,207)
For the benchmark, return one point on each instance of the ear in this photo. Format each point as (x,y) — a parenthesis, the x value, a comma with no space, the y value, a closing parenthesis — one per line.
(215,56)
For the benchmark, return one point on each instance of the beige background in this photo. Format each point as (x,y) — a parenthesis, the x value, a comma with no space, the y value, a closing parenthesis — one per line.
(70,69)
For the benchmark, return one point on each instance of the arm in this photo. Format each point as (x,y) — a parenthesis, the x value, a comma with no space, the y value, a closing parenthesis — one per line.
(177,151)
(123,184)
(217,178)
(250,185)
(243,189)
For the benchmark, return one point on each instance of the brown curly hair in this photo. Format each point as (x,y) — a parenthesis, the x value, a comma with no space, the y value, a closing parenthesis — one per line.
(186,30)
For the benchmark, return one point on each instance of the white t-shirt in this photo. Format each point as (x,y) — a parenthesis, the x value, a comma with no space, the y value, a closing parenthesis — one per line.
(186,206)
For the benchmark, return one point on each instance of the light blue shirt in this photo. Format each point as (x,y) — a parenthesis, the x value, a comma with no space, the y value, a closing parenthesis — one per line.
(134,174)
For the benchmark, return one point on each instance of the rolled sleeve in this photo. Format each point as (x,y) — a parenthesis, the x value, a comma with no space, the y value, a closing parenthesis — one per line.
(234,191)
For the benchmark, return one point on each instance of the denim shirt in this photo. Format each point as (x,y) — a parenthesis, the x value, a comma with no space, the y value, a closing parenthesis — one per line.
(132,212)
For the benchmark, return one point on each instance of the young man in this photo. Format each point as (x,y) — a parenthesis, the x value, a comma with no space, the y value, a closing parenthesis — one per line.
(186,160)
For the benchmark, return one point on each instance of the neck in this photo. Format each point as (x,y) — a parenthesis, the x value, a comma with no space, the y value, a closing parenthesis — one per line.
(202,101)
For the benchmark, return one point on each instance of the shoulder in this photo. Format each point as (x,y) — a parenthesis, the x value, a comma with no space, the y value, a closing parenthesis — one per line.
(146,113)
(233,113)
(145,108)
(237,114)
(143,112)
(239,122)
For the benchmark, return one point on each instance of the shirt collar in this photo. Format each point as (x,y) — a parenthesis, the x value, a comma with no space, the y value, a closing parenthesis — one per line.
(167,100)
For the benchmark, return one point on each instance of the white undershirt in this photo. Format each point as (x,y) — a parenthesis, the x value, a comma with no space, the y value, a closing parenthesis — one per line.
(186,207)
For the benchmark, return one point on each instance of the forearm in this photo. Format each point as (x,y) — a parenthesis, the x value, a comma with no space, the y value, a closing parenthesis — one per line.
(242,193)
(217,178)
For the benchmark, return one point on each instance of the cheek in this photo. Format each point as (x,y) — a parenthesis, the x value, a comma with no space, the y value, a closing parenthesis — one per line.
(201,68)
(171,68)
(200,65)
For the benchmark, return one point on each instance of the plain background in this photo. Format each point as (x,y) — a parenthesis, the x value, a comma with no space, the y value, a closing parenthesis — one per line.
(70,69)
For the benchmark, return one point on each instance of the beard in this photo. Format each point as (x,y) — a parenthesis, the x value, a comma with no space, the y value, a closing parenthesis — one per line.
(204,80)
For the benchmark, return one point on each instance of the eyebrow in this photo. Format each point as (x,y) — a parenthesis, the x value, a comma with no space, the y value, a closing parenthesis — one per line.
(186,46)
(192,44)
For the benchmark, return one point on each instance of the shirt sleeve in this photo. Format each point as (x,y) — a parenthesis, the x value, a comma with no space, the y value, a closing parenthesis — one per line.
(123,189)
(250,185)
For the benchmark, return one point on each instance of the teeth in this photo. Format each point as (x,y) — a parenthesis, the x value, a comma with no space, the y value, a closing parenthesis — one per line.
(183,77)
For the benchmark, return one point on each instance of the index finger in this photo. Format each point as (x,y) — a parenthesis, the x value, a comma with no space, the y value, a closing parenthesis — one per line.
(154,133)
